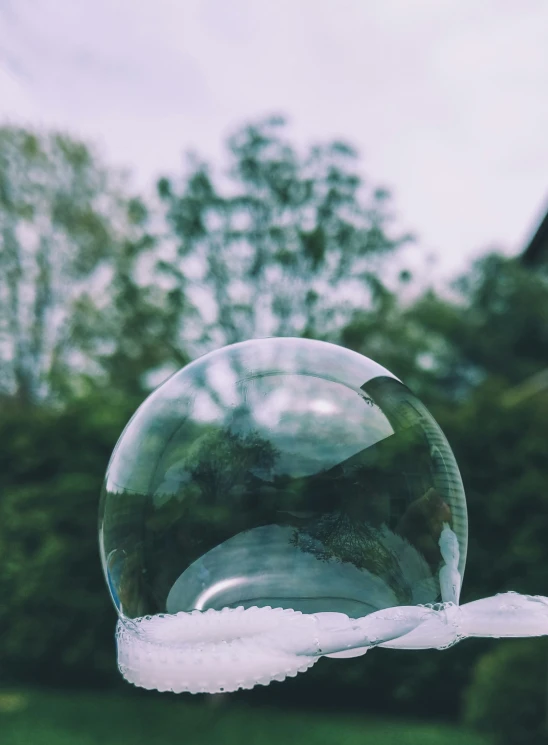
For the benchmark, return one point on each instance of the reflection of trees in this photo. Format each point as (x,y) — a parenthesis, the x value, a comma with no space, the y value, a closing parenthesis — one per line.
(122,529)
(219,495)
(211,468)
(436,493)
(422,524)
(391,491)
(223,463)
(389,483)
(336,535)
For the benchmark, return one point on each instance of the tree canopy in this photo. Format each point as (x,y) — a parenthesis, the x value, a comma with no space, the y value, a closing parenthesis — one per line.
(282,243)
(103,293)
(76,304)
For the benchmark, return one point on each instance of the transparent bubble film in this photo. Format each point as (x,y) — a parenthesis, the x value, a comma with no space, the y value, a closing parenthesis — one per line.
(278,500)
(282,472)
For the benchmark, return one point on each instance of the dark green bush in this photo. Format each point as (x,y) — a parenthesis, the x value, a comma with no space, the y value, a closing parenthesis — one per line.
(56,618)
(508,695)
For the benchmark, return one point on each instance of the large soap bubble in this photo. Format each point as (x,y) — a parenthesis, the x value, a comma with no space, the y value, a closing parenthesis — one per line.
(275,501)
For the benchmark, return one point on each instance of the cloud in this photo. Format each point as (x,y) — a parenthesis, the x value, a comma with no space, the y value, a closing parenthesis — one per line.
(109,56)
(444,100)
(15,103)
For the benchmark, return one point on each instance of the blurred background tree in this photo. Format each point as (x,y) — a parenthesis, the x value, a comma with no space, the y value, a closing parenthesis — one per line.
(78,304)
(283,244)
(55,617)
(103,293)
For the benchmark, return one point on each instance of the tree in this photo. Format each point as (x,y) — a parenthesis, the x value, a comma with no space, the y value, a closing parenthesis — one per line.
(56,618)
(467,357)
(73,304)
(507,698)
(285,244)
(489,344)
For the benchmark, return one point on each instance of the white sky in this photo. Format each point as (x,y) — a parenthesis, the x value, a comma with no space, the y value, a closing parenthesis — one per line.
(447,101)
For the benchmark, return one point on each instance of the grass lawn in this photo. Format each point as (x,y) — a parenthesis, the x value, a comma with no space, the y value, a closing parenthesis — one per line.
(37,718)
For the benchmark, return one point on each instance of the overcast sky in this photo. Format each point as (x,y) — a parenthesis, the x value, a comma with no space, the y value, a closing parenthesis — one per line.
(446,100)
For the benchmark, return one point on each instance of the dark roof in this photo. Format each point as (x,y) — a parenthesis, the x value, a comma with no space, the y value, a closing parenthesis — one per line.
(537,251)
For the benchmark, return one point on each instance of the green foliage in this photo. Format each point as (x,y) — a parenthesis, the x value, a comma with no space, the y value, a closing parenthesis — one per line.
(498,329)
(65,719)
(507,697)
(74,309)
(56,618)
(464,358)
(288,243)
(93,302)
(502,452)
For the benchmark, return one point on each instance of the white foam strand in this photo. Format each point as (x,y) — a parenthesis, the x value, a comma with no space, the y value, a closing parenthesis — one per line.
(215,651)
(224,650)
